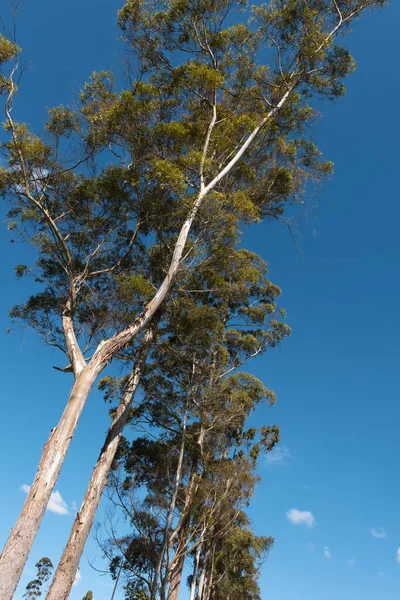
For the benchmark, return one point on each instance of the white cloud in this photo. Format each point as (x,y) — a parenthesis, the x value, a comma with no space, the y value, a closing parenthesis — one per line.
(78,578)
(300,517)
(280,456)
(398,555)
(379,534)
(327,552)
(351,561)
(381,574)
(56,503)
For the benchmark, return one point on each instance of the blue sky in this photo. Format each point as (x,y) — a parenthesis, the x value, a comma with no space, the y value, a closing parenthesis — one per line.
(337,377)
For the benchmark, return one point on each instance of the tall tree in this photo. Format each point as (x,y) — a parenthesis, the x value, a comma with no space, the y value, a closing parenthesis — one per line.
(232,285)
(211,133)
(194,467)
(222,488)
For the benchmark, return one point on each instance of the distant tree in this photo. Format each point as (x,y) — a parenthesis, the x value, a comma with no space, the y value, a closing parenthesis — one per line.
(88,596)
(34,588)
(234,563)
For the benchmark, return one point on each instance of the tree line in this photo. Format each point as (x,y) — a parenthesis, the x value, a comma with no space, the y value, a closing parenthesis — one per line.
(135,201)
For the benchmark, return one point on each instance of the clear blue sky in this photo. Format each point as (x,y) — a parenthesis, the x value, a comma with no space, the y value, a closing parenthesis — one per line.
(337,377)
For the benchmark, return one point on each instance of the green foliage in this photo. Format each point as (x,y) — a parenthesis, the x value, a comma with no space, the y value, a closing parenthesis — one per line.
(21,270)
(210,135)
(34,588)
(149,144)
(62,122)
(193,371)
(238,558)
(155,131)
(8,49)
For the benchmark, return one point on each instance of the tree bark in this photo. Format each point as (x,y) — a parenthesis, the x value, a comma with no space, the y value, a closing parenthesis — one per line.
(176,572)
(69,562)
(18,545)
(181,532)
(202,578)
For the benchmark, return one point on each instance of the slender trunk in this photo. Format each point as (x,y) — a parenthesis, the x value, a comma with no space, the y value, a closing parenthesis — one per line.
(116,583)
(176,572)
(204,586)
(18,545)
(170,515)
(195,572)
(202,577)
(181,531)
(68,565)
(207,593)
(208,588)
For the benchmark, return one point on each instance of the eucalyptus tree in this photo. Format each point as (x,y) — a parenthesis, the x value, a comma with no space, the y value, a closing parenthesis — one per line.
(216,483)
(213,123)
(222,314)
(192,404)
(235,561)
(34,588)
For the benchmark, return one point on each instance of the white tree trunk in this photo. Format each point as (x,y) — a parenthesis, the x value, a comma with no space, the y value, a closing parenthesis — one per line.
(195,571)
(69,562)
(18,545)
(170,515)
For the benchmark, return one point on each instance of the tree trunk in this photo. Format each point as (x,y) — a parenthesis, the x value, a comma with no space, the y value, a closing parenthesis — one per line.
(182,531)
(170,515)
(18,545)
(195,571)
(176,576)
(116,583)
(176,572)
(207,591)
(202,578)
(69,562)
